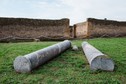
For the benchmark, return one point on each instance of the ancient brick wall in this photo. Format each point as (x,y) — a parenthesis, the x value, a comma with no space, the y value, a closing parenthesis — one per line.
(34,28)
(106,28)
(81,30)
(71,31)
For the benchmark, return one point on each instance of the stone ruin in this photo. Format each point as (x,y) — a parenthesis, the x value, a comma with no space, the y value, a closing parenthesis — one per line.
(96,59)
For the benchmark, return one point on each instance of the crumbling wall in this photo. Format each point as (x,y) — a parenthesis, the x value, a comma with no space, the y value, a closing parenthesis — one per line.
(106,28)
(34,28)
(81,30)
(71,31)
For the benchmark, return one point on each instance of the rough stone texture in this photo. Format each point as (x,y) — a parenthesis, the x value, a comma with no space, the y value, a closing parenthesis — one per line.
(72,31)
(22,64)
(106,28)
(97,59)
(33,28)
(99,28)
(26,63)
(74,48)
(81,30)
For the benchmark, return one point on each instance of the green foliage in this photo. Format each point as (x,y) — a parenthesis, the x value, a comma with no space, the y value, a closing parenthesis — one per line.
(69,67)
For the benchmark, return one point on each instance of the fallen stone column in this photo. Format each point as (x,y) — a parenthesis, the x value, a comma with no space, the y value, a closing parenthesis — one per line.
(97,59)
(26,63)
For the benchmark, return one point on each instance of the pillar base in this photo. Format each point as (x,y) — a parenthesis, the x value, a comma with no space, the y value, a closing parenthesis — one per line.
(22,64)
(102,63)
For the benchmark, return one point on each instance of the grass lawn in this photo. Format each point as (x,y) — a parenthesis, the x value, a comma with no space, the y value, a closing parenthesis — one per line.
(69,67)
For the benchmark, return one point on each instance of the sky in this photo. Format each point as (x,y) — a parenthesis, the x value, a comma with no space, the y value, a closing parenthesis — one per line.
(76,10)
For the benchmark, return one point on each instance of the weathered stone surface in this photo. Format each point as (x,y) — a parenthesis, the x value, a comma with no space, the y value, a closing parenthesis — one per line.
(24,29)
(74,48)
(26,63)
(22,64)
(97,59)
(36,40)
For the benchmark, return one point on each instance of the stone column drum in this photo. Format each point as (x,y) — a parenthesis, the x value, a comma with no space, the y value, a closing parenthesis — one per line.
(97,59)
(26,63)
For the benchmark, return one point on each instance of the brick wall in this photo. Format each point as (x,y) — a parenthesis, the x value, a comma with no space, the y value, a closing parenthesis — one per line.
(81,30)
(34,28)
(106,28)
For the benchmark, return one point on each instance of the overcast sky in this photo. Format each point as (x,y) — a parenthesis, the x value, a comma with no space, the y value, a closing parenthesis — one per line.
(75,10)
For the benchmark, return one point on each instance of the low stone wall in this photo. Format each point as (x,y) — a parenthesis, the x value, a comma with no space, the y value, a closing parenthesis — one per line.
(106,28)
(33,28)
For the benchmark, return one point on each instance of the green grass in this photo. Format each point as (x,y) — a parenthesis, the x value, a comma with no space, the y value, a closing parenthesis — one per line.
(69,67)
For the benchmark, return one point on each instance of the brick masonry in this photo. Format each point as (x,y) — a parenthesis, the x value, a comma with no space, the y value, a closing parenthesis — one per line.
(100,28)
(34,28)
(28,29)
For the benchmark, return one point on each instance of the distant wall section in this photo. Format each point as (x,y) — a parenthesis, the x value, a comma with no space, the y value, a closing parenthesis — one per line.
(34,28)
(81,30)
(106,28)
